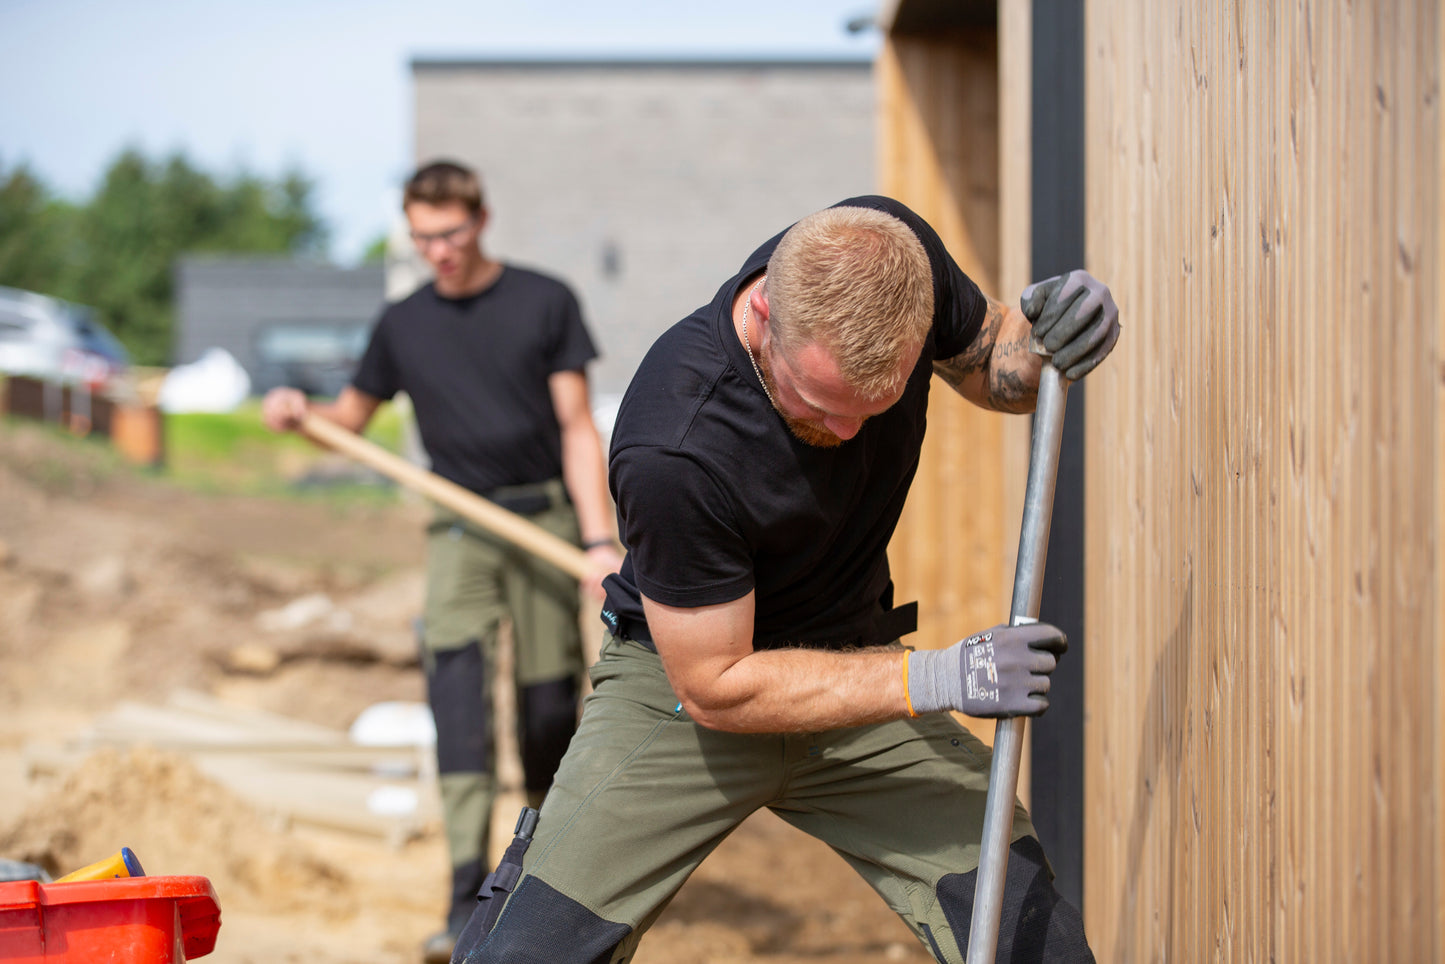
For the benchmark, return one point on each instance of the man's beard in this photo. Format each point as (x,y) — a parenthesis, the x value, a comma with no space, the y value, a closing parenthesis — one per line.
(809,433)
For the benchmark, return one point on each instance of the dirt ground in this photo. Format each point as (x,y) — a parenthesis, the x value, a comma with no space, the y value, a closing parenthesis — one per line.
(117,586)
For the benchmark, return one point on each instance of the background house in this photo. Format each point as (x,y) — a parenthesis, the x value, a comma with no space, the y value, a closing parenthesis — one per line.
(645,183)
(286,321)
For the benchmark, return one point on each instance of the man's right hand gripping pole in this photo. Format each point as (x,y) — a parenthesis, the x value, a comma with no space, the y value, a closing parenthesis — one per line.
(1001,672)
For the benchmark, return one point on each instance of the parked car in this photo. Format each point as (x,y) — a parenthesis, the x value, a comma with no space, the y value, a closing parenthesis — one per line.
(56,340)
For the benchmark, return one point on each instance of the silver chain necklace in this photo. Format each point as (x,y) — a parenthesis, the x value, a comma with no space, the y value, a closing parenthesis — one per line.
(748,344)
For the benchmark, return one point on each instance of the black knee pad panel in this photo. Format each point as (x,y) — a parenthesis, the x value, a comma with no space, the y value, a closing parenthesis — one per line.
(547,718)
(543,926)
(456,689)
(1036,925)
(466,881)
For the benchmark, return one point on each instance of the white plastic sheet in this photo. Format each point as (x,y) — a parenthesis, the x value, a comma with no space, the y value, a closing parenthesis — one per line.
(215,382)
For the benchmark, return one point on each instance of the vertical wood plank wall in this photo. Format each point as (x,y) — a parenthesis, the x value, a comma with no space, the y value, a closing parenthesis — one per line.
(939,145)
(1438,795)
(1266,738)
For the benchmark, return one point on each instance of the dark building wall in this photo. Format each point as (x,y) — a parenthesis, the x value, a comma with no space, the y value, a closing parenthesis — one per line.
(238,303)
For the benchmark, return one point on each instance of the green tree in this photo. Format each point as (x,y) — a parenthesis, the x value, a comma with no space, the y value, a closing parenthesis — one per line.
(375,252)
(36,232)
(126,240)
(117,251)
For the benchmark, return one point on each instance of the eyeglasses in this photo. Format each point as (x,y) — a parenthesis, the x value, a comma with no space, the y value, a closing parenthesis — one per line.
(452,237)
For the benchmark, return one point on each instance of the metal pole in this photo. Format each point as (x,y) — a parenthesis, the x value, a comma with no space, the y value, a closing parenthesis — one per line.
(1008,740)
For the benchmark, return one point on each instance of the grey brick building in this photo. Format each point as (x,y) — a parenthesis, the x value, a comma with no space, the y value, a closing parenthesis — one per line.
(645,183)
(287,322)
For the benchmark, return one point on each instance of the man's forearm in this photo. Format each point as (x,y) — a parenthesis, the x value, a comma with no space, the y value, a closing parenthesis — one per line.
(1013,369)
(584,472)
(801,691)
(997,370)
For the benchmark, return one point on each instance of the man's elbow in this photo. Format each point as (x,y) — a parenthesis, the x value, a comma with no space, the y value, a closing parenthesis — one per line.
(703,713)
(712,711)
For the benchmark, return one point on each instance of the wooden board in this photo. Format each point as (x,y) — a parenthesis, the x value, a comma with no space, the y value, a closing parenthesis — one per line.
(939,144)
(289,769)
(1265,737)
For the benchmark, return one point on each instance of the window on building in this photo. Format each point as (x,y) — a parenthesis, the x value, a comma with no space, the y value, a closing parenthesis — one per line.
(317,358)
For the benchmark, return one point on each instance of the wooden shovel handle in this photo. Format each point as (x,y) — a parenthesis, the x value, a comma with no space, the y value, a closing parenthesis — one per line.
(490,516)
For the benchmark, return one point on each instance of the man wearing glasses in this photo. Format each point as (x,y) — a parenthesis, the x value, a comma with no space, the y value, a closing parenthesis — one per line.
(493,357)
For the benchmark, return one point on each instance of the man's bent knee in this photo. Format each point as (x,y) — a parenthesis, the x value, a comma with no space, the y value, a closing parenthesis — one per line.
(1036,923)
(542,926)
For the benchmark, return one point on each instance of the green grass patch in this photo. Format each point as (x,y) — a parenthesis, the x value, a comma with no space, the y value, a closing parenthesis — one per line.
(234,452)
(230,453)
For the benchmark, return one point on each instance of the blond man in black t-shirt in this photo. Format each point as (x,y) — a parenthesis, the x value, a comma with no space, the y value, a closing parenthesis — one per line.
(760,461)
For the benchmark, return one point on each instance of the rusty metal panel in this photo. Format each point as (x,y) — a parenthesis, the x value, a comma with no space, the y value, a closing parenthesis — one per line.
(135,430)
(72,407)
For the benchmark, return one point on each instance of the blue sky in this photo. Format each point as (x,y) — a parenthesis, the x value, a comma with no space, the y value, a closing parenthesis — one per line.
(324,85)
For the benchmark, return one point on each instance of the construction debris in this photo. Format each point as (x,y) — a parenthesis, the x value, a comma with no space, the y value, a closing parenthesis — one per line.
(289,770)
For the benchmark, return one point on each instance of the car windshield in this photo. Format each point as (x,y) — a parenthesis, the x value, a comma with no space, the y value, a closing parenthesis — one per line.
(95,338)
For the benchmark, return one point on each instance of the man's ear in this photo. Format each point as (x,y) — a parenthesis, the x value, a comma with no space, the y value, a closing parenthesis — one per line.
(759,298)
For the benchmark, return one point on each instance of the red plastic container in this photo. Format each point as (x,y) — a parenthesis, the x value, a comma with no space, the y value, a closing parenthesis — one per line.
(129,920)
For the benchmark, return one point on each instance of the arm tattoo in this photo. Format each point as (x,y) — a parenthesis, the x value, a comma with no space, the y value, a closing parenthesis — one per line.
(1002,365)
(1009,393)
(1008,348)
(974,358)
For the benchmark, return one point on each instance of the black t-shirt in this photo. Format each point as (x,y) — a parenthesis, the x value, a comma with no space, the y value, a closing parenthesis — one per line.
(717,498)
(476,369)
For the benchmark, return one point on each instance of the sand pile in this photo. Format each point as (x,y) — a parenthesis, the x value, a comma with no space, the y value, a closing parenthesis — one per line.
(178,822)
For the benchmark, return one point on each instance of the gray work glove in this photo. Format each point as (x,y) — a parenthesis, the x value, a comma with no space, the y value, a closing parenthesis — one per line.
(1003,671)
(1074,315)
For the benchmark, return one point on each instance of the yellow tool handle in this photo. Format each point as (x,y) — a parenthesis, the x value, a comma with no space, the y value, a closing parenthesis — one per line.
(122,863)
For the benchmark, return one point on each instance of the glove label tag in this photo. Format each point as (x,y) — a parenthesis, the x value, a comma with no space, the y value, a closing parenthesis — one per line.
(980,669)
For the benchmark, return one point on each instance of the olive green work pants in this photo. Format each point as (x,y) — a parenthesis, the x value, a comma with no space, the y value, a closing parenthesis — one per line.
(476,579)
(644,794)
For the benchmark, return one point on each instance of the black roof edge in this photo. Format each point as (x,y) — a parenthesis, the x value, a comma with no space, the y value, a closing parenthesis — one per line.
(915,17)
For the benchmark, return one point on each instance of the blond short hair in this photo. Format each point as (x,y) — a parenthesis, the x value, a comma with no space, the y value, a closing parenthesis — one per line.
(857,282)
